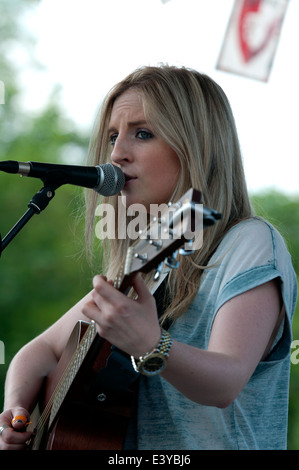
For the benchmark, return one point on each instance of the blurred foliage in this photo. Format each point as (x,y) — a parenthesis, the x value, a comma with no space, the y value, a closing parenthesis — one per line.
(282,211)
(44,270)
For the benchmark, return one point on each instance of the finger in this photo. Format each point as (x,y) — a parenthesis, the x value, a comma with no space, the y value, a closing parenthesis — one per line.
(3,429)
(105,292)
(20,421)
(99,280)
(140,287)
(14,438)
(91,311)
(101,286)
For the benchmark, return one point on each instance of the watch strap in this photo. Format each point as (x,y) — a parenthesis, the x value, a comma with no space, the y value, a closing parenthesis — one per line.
(162,350)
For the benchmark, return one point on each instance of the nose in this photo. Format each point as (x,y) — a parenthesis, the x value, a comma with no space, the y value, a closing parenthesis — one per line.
(121,151)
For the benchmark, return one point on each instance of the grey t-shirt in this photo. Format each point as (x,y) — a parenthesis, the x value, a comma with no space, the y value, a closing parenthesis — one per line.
(251,253)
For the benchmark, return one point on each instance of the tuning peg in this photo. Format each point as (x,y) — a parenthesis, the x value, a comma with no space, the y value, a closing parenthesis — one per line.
(158,272)
(141,256)
(172,262)
(158,244)
(187,252)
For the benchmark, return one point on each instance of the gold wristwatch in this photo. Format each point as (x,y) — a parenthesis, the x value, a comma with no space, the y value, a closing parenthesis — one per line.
(152,363)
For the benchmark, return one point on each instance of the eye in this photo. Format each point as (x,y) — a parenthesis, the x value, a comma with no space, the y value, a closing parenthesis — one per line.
(144,135)
(112,138)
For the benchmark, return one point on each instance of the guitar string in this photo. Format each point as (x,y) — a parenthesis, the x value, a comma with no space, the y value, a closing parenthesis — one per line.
(47,411)
(88,337)
(46,414)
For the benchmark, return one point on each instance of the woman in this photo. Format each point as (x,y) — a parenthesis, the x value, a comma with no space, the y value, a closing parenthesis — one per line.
(228,307)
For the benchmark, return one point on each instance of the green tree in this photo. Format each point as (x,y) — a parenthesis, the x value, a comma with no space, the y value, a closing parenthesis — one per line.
(43,271)
(282,212)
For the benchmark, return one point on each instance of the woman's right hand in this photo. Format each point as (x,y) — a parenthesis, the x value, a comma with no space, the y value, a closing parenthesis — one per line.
(13,424)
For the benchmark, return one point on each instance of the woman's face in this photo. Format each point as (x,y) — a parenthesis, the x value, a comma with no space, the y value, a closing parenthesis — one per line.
(150,165)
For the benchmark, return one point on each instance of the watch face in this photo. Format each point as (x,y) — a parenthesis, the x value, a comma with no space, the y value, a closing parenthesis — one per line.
(154,364)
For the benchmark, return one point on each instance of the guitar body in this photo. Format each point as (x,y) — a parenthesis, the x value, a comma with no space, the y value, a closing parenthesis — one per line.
(87,429)
(95,411)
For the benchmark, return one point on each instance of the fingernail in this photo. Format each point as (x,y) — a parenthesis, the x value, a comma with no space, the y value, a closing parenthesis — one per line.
(20,419)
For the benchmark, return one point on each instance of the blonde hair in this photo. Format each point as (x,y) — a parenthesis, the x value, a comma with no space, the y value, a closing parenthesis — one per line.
(192,114)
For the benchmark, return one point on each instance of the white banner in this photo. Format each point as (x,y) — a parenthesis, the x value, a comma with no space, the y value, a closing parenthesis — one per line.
(252,37)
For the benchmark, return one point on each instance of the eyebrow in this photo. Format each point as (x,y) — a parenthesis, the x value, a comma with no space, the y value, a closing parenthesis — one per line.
(130,124)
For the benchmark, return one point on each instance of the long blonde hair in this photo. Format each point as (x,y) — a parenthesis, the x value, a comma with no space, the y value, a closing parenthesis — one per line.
(192,114)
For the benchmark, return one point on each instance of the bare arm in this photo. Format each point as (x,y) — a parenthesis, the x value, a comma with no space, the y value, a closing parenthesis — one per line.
(27,372)
(239,338)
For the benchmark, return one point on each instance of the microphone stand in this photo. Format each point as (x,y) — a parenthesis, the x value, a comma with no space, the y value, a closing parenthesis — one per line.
(36,205)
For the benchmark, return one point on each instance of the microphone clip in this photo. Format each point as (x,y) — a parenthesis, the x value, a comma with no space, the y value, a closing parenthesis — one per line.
(41,199)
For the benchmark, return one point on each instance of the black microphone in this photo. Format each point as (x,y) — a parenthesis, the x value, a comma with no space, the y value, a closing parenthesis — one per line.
(106,179)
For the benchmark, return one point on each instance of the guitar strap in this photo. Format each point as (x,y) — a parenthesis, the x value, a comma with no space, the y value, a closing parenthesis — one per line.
(163,299)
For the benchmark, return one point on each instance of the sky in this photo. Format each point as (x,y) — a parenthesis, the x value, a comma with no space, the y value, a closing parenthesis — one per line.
(87,46)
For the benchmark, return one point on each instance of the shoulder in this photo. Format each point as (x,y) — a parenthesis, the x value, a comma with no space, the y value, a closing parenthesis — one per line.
(252,241)
(250,254)
(251,227)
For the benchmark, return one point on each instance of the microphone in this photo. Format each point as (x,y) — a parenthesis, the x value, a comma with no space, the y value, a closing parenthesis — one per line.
(106,179)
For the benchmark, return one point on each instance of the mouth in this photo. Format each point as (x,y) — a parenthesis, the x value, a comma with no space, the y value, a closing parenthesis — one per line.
(129,178)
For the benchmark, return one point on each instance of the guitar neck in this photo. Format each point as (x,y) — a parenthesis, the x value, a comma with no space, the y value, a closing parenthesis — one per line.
(72,370)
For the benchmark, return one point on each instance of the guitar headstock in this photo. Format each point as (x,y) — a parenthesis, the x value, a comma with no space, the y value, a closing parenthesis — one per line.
(175,225)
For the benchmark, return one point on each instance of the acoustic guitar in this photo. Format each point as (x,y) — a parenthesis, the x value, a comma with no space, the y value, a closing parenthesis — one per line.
(86,402)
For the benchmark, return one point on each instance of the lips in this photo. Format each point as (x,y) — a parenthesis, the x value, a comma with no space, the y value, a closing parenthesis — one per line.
(129,178)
